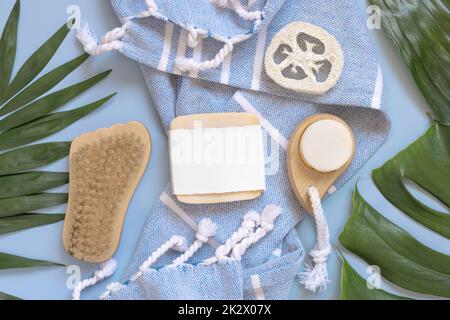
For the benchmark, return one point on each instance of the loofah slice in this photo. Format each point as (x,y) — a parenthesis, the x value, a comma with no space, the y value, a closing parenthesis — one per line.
(304,58)
(105,168)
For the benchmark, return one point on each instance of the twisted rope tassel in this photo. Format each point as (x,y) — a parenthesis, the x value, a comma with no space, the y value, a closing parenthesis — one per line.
(111,40)
(152,9)
(268,217)
(244,13)
(206,229)
(239,9)
(111,288)
(250,222)
(106,270)
(317,278)
(220,3)
(177,243)
(194,36)
(189,64)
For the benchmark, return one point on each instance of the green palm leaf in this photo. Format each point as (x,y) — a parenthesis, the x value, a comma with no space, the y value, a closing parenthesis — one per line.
(427,163)
(27,221)
(32,157)
(9,261)
(20,191)
(42,85)
(420,31)
(19,205)
(402,259)
(354,287)
(36,63)
(46,126)
(30,183)
(49,103)
(8,44)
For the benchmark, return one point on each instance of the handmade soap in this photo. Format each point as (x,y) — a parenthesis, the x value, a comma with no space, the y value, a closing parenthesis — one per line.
(217,160)
(214,121)
(327,145)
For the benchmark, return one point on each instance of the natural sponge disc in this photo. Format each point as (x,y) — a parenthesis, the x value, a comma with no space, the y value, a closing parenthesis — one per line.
(305,58)
(105,169)
(327,145)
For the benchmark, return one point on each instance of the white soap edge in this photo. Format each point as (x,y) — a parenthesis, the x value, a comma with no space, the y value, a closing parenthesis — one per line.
(196,179)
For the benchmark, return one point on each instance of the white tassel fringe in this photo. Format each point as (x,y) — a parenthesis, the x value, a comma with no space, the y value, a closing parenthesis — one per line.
(206,230)
(106,270)
(316,278)
(177,243)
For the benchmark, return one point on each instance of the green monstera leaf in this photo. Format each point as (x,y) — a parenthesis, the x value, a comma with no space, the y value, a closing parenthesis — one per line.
(427,163)
(354,287)
(420,31)
(402,259)
(5,296)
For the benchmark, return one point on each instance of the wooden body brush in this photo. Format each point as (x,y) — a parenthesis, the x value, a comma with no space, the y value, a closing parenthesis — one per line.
(105,169)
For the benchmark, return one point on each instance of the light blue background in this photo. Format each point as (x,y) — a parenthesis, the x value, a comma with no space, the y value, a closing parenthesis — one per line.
(39,19)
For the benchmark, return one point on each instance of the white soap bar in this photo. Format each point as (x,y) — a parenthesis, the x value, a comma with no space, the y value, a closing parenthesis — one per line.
(327,145)
(217,160)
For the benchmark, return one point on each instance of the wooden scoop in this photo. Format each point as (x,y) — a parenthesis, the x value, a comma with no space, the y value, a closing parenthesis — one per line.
(301,175)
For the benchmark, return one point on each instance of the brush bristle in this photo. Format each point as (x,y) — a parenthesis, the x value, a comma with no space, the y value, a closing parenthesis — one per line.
(100,173)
